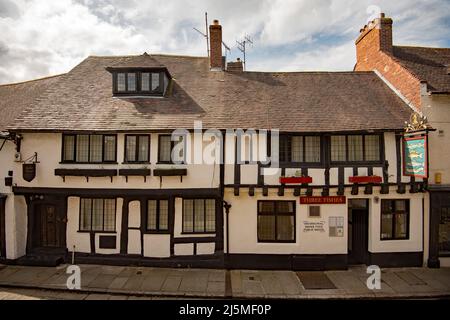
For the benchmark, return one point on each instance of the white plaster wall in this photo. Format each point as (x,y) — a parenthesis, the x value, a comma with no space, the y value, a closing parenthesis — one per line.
(205,248)
(134,221)
(134,214)
(184,249)
(243,227)
(437,109)
(157,245)
(48,147)
(81,240)
(249,174)
(414,243)
(390,154)
(21,221)
(178,223)
(134,241)
(16,226)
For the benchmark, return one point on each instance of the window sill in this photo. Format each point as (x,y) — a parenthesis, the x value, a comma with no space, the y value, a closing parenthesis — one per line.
(156,232)
(394,239)
(96,231)
(276,241)
(136,162)
(199,233)
(93,163)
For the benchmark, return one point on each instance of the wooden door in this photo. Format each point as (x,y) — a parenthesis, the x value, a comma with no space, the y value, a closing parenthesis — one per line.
(358,221)
(50,226)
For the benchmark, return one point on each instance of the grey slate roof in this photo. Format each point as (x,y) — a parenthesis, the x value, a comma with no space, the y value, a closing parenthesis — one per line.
(428,64)
(295,101)
(14,98)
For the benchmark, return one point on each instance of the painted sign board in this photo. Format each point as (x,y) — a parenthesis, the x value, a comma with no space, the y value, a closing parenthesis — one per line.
(323,200)
(415,157)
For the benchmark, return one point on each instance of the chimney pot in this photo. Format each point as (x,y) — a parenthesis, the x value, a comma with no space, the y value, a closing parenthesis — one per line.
(216,22)
(382,15)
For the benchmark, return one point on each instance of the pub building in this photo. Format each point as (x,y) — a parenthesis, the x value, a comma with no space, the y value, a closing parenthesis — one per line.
(89,167)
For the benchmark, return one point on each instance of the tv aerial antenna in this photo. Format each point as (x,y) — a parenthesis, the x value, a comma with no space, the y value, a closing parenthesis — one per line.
(242,47)
(206,36)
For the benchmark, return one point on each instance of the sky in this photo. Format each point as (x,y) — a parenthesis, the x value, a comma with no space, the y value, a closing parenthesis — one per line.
(39,38)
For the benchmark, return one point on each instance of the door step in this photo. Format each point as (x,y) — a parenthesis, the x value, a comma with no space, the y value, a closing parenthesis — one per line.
(41,260)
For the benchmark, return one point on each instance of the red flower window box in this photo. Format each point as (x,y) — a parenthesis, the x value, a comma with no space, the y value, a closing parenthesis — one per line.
(365,179)
(300,180)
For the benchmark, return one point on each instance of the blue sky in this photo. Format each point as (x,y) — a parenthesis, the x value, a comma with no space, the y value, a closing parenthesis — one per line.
(41,38)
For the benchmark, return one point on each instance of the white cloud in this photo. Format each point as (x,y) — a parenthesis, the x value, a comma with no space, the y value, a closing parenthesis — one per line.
(47,37)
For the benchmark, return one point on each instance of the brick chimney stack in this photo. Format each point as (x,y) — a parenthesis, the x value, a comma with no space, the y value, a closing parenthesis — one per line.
(215,43)
(235,66)
(375,36)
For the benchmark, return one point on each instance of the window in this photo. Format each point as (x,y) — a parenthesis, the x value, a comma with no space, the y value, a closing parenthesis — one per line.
(84,148)
(394,219)
(157,215)
(165,147)
(137,148)
(299,149)
(131,84)
(121,86)
(444,231)
(356,148)
(150,83)
(276,221)
(199,216)
(314,211)
(98,215)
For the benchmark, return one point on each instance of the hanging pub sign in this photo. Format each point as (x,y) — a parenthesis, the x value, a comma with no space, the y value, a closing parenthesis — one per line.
(415,155)
(415,162)
(28,171)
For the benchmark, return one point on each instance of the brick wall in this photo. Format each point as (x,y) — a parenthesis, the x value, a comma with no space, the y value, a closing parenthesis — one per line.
(215,42)
(374,52)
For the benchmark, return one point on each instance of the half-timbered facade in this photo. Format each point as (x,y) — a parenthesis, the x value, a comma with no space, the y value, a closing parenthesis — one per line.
(182,161)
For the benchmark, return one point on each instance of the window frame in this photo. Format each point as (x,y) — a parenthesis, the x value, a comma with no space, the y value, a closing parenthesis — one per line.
(138,72)
(183,231)
(298,164)
(275,214)
(394,220)
(172,145)
(158,230)
(358,162)
(103,213)
(136,151)
(75,135)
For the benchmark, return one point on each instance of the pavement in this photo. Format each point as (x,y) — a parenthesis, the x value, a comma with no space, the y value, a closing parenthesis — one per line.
(118,282)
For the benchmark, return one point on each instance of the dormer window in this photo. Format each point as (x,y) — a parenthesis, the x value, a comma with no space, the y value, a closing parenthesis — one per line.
(140,83)
(139,76)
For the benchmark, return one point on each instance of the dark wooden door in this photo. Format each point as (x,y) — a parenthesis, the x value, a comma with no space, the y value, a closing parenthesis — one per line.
(50,226)
(358,236)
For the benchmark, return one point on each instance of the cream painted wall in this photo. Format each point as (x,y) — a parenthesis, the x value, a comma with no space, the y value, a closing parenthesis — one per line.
(80,240)
(48,147)
(157,245)
(437,110)
(243,225)
(184,249)
(205,248)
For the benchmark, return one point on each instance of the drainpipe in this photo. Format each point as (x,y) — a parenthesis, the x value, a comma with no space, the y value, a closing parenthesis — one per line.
(227,207)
